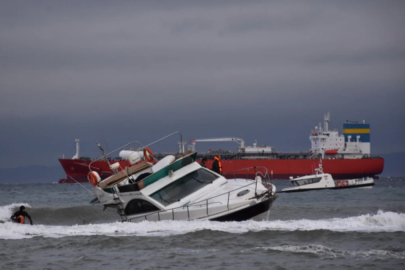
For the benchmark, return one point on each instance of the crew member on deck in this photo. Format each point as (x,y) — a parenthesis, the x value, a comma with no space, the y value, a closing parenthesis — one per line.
(19,216)
(204,159)
(216,165)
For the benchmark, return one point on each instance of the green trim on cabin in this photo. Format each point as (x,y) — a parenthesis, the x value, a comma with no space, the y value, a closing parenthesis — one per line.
(165,171)
(182,162)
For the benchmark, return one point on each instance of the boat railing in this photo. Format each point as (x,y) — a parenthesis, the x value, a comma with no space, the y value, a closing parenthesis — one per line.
(206,203)
(136,149)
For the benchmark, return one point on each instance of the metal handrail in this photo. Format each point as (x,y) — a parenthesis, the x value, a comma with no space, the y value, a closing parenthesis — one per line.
(194,203)
(109,153)
(142,146)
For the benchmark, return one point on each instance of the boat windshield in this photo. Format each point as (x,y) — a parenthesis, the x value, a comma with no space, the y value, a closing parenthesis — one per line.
(307,181)
(184,186)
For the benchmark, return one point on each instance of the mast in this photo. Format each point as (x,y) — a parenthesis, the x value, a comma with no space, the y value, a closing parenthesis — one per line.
(182,145)
(106,159)
(326,120)
(77,155)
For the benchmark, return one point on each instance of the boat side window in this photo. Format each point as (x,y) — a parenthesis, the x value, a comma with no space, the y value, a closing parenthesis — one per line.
(184,186)
(138,206)
(308,181)
(316,179)
(301,182)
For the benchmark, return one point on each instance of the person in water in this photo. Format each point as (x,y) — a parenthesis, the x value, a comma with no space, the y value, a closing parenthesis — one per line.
(19,216)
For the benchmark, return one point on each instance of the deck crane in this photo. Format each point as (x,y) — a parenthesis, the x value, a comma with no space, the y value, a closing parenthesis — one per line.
(233,139)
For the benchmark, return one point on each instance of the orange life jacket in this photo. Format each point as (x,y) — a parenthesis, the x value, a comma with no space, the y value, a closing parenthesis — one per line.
(219,164)
(20,219)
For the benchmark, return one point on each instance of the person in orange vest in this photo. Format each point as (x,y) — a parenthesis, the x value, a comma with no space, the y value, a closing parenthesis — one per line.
(216,165)
(19,216)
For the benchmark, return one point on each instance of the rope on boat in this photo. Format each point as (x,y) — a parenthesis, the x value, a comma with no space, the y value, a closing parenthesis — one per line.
(81,185)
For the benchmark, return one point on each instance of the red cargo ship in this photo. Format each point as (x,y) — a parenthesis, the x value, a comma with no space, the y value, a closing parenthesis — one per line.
(343,156)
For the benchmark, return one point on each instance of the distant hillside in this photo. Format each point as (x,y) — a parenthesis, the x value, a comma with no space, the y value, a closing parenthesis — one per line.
(32,174)
(394,164)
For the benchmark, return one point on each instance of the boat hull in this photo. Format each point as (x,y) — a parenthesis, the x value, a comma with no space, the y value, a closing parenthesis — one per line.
(259,212)
(342,187)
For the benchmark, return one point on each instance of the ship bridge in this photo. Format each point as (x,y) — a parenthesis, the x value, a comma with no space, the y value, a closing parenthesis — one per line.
(354,143)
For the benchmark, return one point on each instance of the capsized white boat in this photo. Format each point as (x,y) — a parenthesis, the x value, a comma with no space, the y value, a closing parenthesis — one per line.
(179,188)
(321,180)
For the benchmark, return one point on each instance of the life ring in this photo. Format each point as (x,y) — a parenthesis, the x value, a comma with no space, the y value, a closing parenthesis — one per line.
(147,153)
(93,178)
(338,183)
(345,183)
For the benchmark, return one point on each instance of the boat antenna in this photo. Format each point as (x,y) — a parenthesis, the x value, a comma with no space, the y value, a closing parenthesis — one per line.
(319,169)
(105,157)
(106,145)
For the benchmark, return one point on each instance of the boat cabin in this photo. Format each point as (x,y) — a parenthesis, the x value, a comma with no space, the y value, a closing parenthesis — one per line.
(306,181)
(310,182)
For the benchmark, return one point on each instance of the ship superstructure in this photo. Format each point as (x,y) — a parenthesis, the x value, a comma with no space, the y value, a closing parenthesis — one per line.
(354,143)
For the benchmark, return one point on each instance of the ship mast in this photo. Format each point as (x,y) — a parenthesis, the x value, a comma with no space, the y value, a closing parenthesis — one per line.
(326,120)
(77,155)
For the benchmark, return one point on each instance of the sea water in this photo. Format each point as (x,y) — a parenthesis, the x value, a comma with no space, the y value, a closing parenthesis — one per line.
(328,229)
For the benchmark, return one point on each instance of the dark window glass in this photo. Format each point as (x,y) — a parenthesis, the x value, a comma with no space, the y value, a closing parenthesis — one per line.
(138,206)
(308,181)
(184,186)
(316,180)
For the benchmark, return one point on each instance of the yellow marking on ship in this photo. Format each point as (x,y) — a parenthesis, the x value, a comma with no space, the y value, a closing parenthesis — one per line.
(356,130)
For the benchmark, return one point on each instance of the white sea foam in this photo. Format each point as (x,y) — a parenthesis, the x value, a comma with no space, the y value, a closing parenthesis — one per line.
(380,222)
(324,251)
(7,210)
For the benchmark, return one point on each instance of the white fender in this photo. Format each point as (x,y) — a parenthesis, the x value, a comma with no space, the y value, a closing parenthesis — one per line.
(115,166)
(166,161)
(132,156)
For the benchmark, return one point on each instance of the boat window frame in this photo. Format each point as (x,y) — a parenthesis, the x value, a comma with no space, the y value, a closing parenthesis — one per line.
(144,203)
(307,181)
(164,196)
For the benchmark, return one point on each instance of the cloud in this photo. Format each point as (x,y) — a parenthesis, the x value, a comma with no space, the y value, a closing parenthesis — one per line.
(210,68)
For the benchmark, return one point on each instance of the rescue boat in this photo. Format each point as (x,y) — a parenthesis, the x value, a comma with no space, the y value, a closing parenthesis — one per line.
(321,180)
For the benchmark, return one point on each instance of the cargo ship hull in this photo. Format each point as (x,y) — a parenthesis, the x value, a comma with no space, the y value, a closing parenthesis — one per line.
(284,169)
(77,170)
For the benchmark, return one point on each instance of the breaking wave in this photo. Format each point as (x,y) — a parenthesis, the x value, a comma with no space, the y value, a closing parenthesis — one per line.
(7,210)
(324,251)
(379,222)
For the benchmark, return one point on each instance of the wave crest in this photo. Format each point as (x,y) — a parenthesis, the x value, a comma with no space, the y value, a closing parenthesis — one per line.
(380,222)
(7,210)
(324,251)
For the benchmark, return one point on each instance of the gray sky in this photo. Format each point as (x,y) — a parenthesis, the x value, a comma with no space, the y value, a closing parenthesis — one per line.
(259,70)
